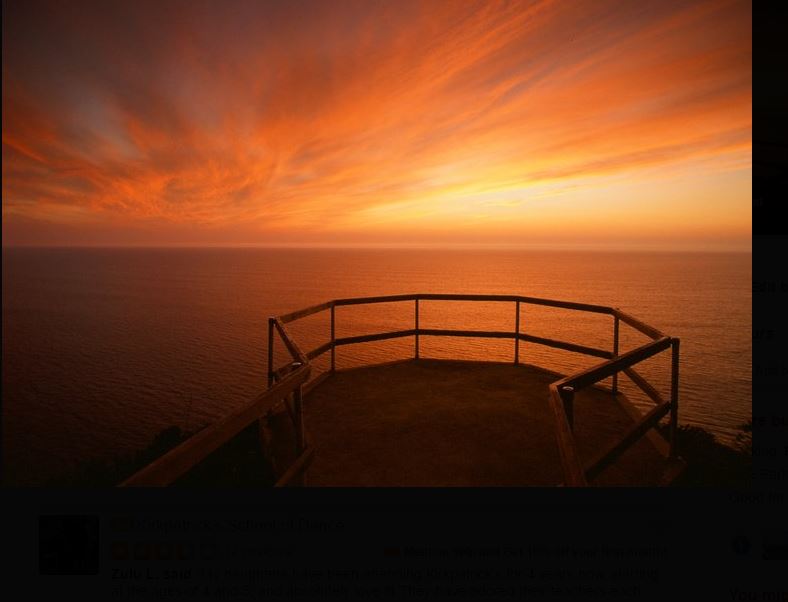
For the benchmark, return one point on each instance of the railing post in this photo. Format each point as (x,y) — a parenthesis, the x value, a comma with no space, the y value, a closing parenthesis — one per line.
(568,397)
(674,397)
(298,410)
(615,353)
(517,333)
(265,440)
(333,339)
(270,352)
(299,419)
(417,328)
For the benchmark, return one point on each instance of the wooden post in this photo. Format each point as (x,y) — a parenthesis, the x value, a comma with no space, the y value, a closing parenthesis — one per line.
(265,444)
(615,353)
(270,352)
(568,397)
(299,420)
(674,398)
(265,441)
(333,340)
(298,410)
(517,333)
(417,329)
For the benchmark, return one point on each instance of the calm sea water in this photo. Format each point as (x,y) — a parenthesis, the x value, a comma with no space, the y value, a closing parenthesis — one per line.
(104,348)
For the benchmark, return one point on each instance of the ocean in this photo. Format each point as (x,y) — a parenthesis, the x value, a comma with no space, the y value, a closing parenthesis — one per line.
(103,348)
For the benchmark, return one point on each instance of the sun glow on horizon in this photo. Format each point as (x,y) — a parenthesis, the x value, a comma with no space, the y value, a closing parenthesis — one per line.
(401,123)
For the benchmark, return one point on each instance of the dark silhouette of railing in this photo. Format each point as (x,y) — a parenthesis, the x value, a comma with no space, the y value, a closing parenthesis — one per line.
(290,383)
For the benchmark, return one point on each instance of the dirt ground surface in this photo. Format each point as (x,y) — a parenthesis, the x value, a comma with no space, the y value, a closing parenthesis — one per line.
(439,423)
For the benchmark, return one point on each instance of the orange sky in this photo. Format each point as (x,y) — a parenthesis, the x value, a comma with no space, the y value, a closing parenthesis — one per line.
(599,124)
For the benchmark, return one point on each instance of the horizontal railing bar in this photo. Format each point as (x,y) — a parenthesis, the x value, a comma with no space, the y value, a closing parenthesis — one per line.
(597,309)
(483,334)
(649,331)
(364,300)
(365,338)
(625,360)
(317,351)
(491,334)
(297,467)
(510,298)
(644,385)
(566,346)
(179,460)
(459,297)
(303,313)
(606,458)
(574,475)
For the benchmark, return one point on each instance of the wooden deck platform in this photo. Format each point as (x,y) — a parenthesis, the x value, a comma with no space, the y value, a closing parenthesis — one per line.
(454,423)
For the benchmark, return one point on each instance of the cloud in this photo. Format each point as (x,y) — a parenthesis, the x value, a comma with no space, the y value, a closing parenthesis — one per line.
(313,118)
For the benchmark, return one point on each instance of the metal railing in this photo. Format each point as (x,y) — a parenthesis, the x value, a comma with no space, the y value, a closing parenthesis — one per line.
(291,382)
(561,392)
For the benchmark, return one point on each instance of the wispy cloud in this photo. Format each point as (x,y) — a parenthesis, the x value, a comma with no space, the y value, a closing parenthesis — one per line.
(325,120)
